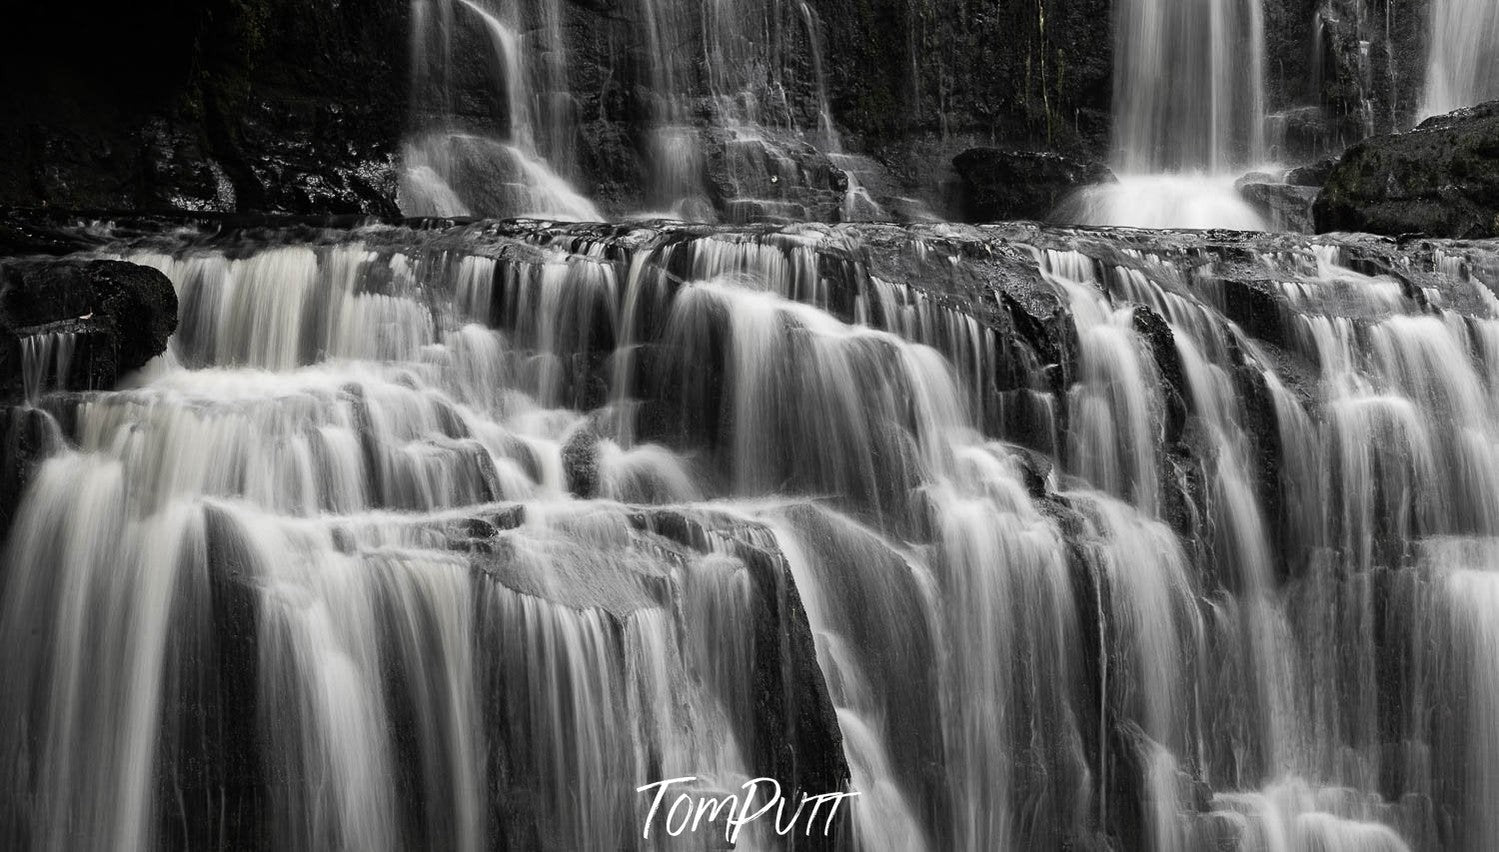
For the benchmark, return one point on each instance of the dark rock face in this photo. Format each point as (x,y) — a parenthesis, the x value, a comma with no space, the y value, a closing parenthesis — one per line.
(1441,179)
(1360,65)
(284,106)
(86,323)
(1285,206)
(226,105)
(1004,185)
(323,157)
(797,738)
(1302,133)
(301,107)
(1314,175)
(916,83)
(218,752)
(119,316)
(580,463)
(27,437)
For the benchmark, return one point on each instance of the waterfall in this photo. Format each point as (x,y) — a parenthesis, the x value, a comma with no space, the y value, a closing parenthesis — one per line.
(734,93)
(1189,109)
(448,171)
(743,116)
(46,359)
(676,153)
(1189,88)
(1462,67)
(458,537)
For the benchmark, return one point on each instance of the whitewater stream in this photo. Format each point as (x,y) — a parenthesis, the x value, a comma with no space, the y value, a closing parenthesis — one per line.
(453,536)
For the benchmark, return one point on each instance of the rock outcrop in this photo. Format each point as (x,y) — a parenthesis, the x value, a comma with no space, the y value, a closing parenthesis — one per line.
(1442,179)
(1285,206)
(86,322)
(68,325)
(301,107)
(1312,174)
(999,185)
(1368,65)
(916,83)
(236,105)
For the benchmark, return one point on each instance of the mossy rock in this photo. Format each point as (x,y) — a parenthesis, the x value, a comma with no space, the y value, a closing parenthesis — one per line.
(1441,179)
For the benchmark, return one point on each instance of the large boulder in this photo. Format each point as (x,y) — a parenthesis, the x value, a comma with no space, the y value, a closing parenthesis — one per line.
(1285,206)
(1303,133)
(86,322)
(999,185)
(1313,174)
(1442,179)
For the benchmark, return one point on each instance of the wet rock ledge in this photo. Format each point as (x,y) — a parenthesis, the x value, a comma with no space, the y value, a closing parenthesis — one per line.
(1442,179)
(71,325)
(998,185)
(84,322)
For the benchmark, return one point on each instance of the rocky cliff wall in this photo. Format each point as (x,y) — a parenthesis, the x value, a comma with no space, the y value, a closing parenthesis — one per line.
(300,105)
(265,105)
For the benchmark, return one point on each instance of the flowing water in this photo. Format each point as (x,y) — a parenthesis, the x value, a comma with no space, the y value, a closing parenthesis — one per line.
(1462,67)
(454,538)
(449,169)
(1189,89)
(1189,115)
(461,537)
(46,361)
(752,71)
(732,98)
(1194,200)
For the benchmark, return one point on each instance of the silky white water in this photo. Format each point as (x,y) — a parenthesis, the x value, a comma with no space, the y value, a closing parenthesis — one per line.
(1462,67)
(1189,116)
(454,539)
(451,170)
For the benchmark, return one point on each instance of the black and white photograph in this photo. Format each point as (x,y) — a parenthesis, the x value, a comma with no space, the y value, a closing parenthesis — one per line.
(749,426)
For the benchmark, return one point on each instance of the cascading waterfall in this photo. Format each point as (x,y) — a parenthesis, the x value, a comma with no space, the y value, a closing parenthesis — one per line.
(250,521)
(1189,109)
(46,359)
(1462,67)
(468,535)
(676,156)
(1189,88)
(450,170)
(776,143)
(734,92)
(455,538)
(858,205)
